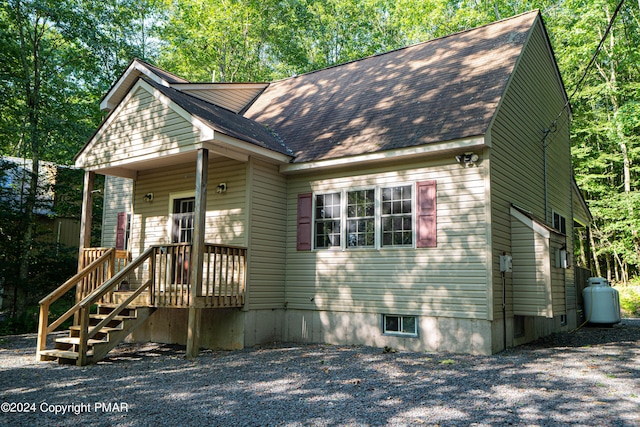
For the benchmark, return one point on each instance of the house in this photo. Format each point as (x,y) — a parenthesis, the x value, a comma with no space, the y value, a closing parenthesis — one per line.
(57,225)
(421,199)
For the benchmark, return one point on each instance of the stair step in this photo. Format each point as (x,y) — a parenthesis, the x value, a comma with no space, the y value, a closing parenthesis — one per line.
(65,354)
(104,316)
(74,340)
(103,330)
(118,297)
(98,347)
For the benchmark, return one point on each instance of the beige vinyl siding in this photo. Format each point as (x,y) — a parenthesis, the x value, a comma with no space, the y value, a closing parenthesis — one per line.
(142,127)
(517,167)
(449,280)
(531,272)
(268,231)
(225,221)
(558,279)
(117,198)
(230,98)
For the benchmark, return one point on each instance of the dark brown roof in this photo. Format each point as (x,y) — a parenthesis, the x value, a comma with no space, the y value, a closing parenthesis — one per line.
(441,90)
(223,120)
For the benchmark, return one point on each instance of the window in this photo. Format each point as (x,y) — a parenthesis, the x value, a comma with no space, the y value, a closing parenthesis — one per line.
(559,222)
(397,218)
(400,325)
(361,218)
(183,216)
(327,225)
(563,320)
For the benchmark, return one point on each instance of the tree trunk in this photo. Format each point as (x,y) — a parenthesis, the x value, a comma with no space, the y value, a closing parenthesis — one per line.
(583,254)
(594,252)
(31,66)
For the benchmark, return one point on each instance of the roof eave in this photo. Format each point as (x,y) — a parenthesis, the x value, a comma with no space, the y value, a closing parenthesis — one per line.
(128,78)
(433,149)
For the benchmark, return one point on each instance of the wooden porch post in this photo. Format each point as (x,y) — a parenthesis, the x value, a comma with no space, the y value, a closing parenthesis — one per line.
(197,251)
(87,212)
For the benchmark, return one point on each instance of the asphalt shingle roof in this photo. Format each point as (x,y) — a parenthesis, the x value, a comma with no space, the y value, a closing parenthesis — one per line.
(441,90)
(224,121)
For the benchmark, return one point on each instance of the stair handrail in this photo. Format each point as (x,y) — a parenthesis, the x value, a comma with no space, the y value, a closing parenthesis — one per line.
(95,329)
(44,328)
(84,306)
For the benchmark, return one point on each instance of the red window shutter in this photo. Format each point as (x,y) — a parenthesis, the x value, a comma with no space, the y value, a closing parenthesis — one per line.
(305,213)
(426,235)
(121,230)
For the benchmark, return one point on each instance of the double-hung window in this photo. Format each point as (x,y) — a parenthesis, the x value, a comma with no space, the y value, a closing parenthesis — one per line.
(328,215)
(365,218)
(397,216)
(361,220)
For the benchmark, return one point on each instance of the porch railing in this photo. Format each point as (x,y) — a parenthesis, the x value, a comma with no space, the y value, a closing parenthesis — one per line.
(223,276)
(90,282)
(161,272)
(100,269)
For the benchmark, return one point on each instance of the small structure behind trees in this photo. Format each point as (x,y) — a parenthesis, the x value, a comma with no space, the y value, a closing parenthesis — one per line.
(54,251)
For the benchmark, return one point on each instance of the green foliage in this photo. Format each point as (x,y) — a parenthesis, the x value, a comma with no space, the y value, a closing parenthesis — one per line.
(50,266)
(220,40)
(629,300)
(58,58)
(605,123)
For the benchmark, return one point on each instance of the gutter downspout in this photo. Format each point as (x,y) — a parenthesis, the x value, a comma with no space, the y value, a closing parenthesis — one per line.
(546,190)
(504,310)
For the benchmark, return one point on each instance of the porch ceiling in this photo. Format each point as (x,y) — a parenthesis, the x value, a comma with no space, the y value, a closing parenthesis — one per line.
(217,149)
(130,170)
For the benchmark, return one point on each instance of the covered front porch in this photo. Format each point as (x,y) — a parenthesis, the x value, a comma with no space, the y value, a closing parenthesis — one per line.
(117,289)
(185,247)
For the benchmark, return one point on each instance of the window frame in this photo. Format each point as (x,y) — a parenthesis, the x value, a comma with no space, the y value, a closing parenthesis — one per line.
(382,216)
(316,221)
(172,198)
(400,332)
(347,237)
(378,232)
(562,226)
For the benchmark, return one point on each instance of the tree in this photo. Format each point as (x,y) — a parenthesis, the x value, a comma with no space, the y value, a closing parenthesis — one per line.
(56,60)
(606,126)
(215,40)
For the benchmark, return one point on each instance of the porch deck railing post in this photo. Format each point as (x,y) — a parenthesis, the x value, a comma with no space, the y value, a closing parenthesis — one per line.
(87,211)
(152,277)
(197,252)
(43,325)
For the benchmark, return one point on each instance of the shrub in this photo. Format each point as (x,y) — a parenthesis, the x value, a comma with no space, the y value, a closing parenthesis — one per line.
(629,300)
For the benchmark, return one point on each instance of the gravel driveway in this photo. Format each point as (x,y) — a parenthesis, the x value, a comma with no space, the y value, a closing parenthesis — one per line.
(588,378)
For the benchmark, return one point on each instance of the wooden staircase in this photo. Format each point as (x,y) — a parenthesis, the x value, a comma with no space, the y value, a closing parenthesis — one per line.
(66,350)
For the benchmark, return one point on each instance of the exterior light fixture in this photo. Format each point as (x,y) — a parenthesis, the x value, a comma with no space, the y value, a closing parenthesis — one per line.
(467,159)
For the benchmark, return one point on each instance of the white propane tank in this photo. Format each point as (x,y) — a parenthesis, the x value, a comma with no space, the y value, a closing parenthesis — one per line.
(601,302)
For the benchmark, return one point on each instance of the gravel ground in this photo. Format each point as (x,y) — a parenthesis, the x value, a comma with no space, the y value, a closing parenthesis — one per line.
(588,378)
